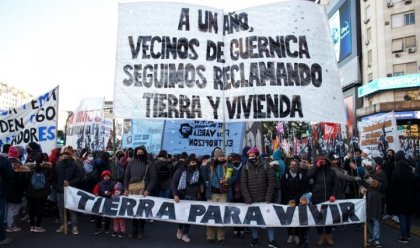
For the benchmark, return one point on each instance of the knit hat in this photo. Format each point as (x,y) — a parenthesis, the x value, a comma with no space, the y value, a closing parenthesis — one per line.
(307,196)
(235,157)
(218,153)
(253,150)
(118,186)
(106,172)
(13,152)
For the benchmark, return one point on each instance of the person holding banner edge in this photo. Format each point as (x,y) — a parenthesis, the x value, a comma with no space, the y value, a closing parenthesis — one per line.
(187,184)
(257,185)
(139,179)
(325,186)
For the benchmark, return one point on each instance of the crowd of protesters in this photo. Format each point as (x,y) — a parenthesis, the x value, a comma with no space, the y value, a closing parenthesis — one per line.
(31,179)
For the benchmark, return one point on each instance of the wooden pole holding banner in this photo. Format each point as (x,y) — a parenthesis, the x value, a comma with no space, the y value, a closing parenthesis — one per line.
(65,217)
(365,227)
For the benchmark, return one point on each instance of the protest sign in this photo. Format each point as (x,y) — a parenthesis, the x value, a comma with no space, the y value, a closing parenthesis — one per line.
(340,212)
(35,121)
(193,62)
(201,137)
(87,128)
(378,134)
(144,133)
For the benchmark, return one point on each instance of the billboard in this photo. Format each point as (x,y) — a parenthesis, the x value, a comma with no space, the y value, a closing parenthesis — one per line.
(341,33)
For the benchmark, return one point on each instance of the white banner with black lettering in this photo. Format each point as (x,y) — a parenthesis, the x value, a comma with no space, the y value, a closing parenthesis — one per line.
(340,212)
(35,121)
(182,61)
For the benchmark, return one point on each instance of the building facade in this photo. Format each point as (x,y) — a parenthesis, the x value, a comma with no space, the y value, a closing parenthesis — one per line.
(391,64)
(11,97)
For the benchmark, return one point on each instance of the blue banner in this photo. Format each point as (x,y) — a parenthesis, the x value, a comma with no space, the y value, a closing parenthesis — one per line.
(201,137)
(146,133)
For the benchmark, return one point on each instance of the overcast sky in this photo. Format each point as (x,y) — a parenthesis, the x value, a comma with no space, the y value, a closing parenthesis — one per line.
(70,43)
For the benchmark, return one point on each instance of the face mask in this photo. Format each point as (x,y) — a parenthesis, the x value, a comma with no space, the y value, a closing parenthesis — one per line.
(236,163)
(390,157)
(141,156)
(110,153)
(90,158)
(252,160)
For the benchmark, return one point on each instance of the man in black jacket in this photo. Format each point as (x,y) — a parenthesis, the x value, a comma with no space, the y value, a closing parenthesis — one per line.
(6,173)
(67,173)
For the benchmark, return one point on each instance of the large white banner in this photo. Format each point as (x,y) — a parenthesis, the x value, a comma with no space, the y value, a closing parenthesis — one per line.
(217,214)
(35,121)
(87,127)
(378,134)
(182,61)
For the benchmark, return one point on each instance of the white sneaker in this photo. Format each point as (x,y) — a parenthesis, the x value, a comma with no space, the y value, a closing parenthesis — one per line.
(179,234)
(74,230)
(296,239)
(185,238)
(60,229)
(396,219)
(290,239)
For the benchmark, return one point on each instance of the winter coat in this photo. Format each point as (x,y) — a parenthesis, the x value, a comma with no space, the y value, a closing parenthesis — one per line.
(402,188)
(6,173)
(375,195)
(163,173)
(292,188)
(214,172)
(46,169)
(103,186)
(343,181)
(257,182)
(325,183)
(67,170)
(136,172)
(17,184)
(191,191)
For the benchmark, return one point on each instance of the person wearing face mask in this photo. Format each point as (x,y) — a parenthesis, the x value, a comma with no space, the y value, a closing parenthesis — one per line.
(325,186)
(257,185)
(234,191)
(374,185)
(37,191)
(139,179)
(187,184)
(67,173)
(293,184)
(217,190)
(343,178)
(388,167)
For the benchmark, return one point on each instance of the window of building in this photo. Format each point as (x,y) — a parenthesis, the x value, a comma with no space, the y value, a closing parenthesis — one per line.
(370,58)
(411,68)
(409,19)
(397,45)
(398,70)
(367,13)
(403,19)
(369,34)
(402,69)
(410,42)
(370,77)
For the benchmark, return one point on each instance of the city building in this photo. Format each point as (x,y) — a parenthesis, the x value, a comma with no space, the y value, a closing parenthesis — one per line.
(11,97)
(391,63)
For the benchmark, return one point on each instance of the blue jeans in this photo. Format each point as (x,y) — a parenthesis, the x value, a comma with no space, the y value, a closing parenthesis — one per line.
(165,193)
(374,229)
(270,233)
(2,212)
(405,224)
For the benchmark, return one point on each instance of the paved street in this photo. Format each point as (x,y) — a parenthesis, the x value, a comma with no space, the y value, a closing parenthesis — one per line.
(161,234)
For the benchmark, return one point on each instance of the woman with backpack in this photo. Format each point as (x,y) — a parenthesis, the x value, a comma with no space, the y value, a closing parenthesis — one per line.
(37,191)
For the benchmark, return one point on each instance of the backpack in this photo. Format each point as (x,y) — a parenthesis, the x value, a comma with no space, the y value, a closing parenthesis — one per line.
(38,180)
(164,172)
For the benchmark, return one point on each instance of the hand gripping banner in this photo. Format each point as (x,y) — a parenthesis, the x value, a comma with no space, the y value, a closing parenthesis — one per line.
(341,212)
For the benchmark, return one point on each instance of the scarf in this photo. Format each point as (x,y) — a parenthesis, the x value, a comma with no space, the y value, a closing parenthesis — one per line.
(183,180)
